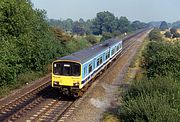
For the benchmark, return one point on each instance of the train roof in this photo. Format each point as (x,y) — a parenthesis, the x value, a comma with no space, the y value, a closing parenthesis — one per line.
(88,53)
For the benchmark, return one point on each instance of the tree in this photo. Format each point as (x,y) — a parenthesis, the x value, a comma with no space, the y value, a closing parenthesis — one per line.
(103,22)
(163,26)
(27,43)
(176,25)
(67,25)
(88,26)
(123,25)
(78,28)
(138,25)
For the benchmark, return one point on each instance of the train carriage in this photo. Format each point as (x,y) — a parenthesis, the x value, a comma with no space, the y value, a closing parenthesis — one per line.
(71,73)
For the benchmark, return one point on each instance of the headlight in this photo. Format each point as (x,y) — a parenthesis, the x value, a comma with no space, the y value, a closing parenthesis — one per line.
(76,84)
(56,83)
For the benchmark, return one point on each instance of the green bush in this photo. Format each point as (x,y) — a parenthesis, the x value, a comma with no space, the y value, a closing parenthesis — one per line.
(106,35)
(76,45)
(145,108)
(168,34)
(155,35)
(161,58)
(92,39)
(156,100)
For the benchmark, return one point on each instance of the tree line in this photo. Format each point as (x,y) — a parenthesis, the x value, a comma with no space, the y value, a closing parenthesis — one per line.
(104,22)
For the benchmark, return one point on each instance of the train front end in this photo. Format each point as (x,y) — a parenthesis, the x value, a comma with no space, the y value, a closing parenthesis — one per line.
(66,76)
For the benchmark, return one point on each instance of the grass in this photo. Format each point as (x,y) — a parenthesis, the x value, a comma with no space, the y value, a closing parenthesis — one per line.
(138,58)
(110,117)
(135,71)
(23,79)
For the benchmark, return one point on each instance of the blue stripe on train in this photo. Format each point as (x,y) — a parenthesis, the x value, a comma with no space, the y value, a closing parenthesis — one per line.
(93,73)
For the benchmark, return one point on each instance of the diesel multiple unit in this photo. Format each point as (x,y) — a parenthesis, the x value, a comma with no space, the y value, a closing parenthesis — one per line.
(73,72)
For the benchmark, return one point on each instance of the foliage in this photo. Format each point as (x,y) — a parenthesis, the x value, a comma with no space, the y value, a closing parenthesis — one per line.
(60,35)
(26,40)
(92,39)
(161,58)
(155,35)
(168,34)
(163,26)
(155,98)
(78,28)
(106,35)
(176,25)
(174,33)
(76,45)
(138,25)
(66,25)
(103,22)
(123,25)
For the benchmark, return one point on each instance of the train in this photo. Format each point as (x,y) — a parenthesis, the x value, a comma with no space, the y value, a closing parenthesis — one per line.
(71,74)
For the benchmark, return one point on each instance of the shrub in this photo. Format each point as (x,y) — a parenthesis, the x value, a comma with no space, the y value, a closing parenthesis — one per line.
(106,35)
(91,39)
(76,45)
(155,35)
(155,100)
(161,58)
(144,108)
(168,34)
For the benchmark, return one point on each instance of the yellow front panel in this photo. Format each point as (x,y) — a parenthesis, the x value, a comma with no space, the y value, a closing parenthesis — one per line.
(65,80)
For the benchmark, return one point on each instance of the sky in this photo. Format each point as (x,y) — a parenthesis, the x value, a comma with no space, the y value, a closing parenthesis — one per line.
(143,10)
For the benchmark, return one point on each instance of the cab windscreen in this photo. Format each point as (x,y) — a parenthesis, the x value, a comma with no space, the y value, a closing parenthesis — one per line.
(66,68)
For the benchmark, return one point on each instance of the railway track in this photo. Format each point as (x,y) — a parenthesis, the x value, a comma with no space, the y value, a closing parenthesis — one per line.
(56,109)
(53,112)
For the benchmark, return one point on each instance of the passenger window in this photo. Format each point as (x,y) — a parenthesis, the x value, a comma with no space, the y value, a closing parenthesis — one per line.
(90,68)
(85,71)
(117,47)
(100,60)
(106,55)
(112,52)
